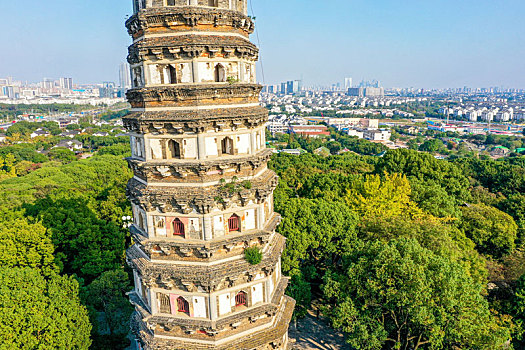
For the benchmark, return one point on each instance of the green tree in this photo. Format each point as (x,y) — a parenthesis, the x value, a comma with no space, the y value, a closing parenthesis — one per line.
(514,205)
(109,306)
(40,313)
(25,244)
(387,196)
(85,244)
(399,295)
(119,149)
(62,155)
(424,167)
(432,146)
(518,311)
(318,233)
(493,231)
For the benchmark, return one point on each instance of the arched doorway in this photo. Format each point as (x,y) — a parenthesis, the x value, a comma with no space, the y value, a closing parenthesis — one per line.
(183,306)
(164,303)
(241,299)
(173,149)
(234,223)
(227,146)
(220,73)
(172,74)
(178,228)
(213,3)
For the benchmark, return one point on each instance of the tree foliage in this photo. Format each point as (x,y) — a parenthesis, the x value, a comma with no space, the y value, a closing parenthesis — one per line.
(41,313)
(317,231)
(25,244)
(106,296)
(493,231)
(85,245)
(399,295)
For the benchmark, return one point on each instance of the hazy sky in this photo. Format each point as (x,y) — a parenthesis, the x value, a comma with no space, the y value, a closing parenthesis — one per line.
(402,43)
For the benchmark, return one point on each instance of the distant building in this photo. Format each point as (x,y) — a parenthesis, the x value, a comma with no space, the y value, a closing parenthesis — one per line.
(71,134)
(72,145)
(309,130)
(348,83)
(66,83)
(366,92)
(107,90)
(341,123)
(8,91)
(294,152)
(40,132)
(48,84)
(359,133)
(101,133)
(124,76)
(377,135)
(292,87)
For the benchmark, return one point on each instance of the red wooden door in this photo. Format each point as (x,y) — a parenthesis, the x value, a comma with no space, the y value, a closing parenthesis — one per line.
(178,228)
(234,223)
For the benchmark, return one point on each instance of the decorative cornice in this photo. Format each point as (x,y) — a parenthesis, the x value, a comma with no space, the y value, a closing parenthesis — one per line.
(267,338)
(209,279)
(195,121)
(198,171)
(205,251)
(191,46)
(185,200)
(193,95)
(169,18)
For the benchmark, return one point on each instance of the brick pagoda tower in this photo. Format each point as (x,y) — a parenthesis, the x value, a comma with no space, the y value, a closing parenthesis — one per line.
(201,192)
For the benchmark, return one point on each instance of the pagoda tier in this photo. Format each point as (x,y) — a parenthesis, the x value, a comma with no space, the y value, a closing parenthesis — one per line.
(202,193)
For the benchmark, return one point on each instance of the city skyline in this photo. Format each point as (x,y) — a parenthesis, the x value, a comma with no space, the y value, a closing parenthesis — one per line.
(415,44)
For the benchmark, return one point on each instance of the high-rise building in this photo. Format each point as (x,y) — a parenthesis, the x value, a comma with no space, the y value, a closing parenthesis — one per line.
(348,83)
(124,76)
(202,194)
(107,90)
(293,86)
(48,83)
(66,83)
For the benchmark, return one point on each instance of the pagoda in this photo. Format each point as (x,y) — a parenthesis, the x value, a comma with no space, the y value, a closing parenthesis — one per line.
(205,256)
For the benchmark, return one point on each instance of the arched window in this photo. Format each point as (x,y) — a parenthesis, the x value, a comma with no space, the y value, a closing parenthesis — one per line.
(137,77)
(178,228)
(241,299)
(141,221)
(172,74)
(234,223)
(183,305)
(213,3)
(220,73)
(173,149)
(227,145)
(164,303)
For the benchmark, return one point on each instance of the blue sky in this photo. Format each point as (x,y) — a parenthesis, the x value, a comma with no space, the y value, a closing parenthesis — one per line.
(402,43)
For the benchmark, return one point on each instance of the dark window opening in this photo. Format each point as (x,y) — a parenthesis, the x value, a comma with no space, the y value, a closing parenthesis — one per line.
(220,73)
(173,149)
(183,305)
(227,146)
(234,223)
(178,228)
(241,299)
(172,74)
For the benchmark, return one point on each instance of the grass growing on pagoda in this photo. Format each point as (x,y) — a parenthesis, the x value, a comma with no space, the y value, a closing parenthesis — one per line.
(253,255)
